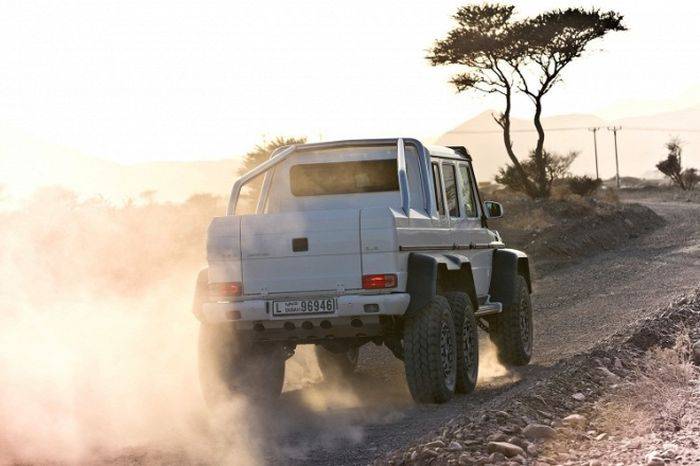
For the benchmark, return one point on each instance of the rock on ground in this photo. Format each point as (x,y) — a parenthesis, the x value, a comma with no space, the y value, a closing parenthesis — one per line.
(508,449)
(539,432)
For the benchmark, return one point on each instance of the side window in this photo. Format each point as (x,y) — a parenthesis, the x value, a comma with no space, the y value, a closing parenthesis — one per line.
(450,177)
(438,189)
(467,191)
(414,178)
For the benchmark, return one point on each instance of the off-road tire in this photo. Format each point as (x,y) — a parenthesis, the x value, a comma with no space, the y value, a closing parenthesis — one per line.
(467,335)
(228,367)
(430,352)
(511,330)
(335,366)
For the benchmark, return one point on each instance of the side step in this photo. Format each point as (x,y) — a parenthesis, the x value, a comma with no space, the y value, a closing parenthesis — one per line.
(488,309)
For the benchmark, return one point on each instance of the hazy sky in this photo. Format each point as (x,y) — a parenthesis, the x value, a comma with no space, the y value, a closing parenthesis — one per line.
(148,80)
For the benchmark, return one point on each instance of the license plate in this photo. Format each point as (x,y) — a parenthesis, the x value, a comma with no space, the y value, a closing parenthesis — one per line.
(305,306)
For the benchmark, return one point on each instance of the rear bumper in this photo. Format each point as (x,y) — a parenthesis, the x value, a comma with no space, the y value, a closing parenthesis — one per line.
(259,310)
(255,319)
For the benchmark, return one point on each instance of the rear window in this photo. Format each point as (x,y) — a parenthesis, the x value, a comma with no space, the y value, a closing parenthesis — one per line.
(366,176)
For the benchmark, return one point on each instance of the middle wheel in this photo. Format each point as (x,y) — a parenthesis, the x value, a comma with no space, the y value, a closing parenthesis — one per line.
(467,340)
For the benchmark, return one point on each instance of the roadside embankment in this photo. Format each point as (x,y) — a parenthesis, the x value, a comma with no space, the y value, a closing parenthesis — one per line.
(632,399)
(559,231)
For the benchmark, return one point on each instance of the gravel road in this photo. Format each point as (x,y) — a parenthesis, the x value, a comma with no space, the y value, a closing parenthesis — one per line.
(576,306)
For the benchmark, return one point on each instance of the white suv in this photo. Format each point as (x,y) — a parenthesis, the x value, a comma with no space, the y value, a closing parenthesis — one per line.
(343,243)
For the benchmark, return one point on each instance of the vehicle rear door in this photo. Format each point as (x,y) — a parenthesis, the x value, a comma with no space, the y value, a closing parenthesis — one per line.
(301,251)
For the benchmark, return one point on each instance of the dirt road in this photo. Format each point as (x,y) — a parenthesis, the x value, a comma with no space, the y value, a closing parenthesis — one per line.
(576,307)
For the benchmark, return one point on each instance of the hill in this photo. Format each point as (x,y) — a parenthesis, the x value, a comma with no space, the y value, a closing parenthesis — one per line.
(26,164)
(640,143)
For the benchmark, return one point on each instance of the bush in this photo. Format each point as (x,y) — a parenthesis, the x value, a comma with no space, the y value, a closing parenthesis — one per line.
(671,167)
(556,168)
(690,178)
(584,185)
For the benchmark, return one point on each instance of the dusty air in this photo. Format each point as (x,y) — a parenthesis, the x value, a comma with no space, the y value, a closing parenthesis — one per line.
(461,233)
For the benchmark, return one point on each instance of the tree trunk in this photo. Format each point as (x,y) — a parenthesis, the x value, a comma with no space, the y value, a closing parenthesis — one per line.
(679,181)
(541,181)
(504,123)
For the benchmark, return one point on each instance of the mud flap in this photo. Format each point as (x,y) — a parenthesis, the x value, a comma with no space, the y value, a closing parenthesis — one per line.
(422,280)
(426,269)
(506,266)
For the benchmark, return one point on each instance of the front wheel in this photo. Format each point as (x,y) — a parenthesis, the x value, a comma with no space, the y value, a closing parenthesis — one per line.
(228,366)
(430,352)
(511,331)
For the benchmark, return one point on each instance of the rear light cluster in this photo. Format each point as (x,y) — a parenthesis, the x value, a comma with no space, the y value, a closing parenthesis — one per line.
(225,289)
(380,280)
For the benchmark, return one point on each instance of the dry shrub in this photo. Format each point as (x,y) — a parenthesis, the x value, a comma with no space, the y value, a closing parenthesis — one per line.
(584,185)
(659,393)
(556,168)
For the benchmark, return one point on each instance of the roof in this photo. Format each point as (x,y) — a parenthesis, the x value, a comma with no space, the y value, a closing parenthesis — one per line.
(451,152)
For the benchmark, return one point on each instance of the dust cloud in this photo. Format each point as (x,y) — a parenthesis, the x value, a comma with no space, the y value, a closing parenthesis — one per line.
(490,369)
(98,344)
(98,347)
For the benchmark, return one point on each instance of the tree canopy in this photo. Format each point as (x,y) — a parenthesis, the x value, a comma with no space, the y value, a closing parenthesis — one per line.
(262,152)
(503,54)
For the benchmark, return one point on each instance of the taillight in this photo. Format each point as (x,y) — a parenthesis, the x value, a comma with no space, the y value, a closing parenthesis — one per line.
(225,289)
(380,280)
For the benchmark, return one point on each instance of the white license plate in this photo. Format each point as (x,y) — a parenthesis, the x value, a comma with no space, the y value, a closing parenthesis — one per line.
(305,306)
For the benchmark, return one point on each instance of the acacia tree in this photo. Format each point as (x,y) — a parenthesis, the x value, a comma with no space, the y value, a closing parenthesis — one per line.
(486,43)
(504,54)
(551,41)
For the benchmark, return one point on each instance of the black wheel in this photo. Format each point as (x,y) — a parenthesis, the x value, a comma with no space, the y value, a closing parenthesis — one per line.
(228,367)
(430,352)
(511,331)
(337,365)
(467,335)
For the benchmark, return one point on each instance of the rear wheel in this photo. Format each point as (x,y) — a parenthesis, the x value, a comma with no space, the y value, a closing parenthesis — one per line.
(511,331)
(337,365)
(228,366)
(430,352)
(467,340)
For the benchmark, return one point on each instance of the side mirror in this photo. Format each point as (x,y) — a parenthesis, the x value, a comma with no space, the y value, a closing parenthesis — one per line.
(493,209)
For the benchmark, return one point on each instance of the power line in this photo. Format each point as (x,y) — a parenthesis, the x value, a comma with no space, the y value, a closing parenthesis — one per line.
(673,130)
(575,128)
(485,131)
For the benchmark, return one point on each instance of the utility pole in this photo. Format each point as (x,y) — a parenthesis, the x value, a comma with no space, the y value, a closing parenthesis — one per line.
(595,150)
(615,129)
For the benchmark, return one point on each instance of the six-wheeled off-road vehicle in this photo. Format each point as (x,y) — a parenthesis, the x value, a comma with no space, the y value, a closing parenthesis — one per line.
(340,244)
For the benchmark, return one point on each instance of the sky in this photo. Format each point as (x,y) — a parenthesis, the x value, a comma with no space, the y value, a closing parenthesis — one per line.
(145,80)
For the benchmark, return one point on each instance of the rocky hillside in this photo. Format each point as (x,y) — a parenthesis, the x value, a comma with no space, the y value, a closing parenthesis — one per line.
(633,399)
(555,232)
